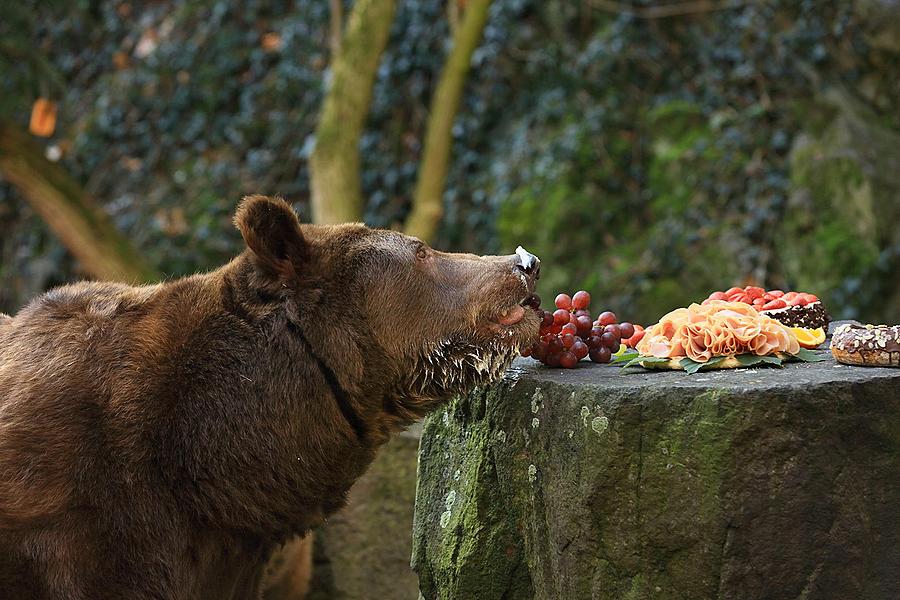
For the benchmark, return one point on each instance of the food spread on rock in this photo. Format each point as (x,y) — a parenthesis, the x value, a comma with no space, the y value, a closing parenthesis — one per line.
(867,345)
(717,334)
(740,327)
(794,309)
(569,334)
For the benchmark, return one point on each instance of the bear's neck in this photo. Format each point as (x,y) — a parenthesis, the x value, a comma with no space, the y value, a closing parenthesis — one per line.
(278,417)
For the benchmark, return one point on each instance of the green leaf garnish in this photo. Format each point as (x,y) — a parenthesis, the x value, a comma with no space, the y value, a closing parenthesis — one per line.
(624,357)
(748,360)
(809,356)
(692,366)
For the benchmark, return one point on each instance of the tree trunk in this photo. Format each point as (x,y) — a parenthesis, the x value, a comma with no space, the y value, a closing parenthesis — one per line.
(70,213)
(428,202)
(334,164)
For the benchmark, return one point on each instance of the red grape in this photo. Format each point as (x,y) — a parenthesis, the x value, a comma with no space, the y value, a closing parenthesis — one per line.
(607,318)
(580,349)
(581,299)
(553,359)
(582,311)
(547,319)
(539,351)
(567,360)
(601,355)
(564,301)
(626,330)
(569,328)
(614,331)
(555,346)
(561,316)
(594,342)
(584,323)
(568,340)
(607,340)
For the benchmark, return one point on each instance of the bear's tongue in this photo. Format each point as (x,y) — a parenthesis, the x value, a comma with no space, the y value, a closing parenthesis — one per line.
(512,315)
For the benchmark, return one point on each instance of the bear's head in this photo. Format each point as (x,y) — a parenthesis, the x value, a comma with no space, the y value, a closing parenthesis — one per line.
(379,304)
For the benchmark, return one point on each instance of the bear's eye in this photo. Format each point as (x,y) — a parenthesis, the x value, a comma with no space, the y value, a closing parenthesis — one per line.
(422,252)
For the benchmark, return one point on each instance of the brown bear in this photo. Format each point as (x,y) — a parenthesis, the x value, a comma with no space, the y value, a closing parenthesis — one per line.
(162,441)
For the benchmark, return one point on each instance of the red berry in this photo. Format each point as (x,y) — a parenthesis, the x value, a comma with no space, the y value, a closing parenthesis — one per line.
(626,330)
(561,316)
(594,342)
(608,341)
(555,328)
(614,330)
(607,318)
(564,301)
(584,324)
(581,300)
(580,349)
(553,359)
(569,328)
(555,346)
(547,319)
(567,360)
(539,351)
(600,355)
(568,340)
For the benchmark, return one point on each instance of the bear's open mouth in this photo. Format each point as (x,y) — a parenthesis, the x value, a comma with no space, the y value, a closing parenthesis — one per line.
(514,313)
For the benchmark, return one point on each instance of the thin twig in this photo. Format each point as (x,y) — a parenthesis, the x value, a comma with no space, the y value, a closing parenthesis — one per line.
(662,11)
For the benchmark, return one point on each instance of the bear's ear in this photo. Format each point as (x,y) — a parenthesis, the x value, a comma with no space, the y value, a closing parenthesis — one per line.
(272,232)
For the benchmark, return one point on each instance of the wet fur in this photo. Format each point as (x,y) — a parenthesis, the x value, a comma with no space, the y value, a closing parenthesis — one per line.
(162,441)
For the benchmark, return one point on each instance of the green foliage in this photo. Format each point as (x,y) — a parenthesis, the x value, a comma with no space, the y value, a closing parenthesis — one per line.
(648,161)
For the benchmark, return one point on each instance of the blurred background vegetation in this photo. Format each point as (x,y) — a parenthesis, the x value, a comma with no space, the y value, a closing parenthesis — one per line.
(648,151)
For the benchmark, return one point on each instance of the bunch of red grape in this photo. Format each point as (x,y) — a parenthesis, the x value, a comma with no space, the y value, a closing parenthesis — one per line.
(568,334)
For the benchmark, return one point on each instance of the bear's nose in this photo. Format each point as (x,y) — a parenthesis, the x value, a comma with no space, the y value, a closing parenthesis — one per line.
(528,262)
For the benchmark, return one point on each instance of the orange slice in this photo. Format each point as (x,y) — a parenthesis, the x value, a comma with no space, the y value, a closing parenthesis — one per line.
(809,338)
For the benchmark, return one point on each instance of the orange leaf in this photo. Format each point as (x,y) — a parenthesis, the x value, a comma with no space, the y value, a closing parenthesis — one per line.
(271,42)
(43,118)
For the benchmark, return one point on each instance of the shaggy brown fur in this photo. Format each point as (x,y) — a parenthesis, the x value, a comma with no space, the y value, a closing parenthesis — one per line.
(161,441)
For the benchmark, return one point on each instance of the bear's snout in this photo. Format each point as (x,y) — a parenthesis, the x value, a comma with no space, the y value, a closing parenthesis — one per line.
(528,263)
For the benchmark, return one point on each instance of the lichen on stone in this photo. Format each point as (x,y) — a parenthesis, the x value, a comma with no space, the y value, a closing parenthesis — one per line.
(537,400)
(600,424)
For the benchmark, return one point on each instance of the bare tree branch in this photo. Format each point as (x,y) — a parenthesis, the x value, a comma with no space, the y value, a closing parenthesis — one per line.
(428,199)
(334,164)
(80,224)
(337,25)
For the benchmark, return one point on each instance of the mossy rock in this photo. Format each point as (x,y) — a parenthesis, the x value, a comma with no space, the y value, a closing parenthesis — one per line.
(363,551)
(598,484)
